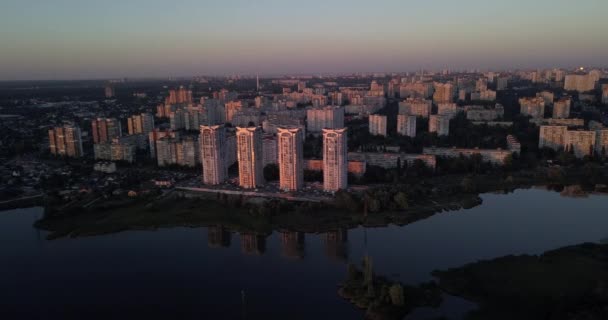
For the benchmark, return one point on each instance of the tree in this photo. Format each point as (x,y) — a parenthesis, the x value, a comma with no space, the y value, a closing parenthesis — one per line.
(401,200)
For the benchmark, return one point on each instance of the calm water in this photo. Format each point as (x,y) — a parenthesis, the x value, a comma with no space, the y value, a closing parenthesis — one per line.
(205,273)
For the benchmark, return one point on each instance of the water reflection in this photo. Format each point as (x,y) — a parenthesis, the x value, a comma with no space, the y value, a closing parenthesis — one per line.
(292,244)
(336,244)
(253,244)
(218,236)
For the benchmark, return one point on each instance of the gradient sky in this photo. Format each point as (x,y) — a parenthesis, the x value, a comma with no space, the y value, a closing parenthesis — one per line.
(79,39)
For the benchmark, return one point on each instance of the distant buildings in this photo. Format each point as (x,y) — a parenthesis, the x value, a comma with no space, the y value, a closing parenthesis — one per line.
(439,124)
(444,92)
(513,144)
(334,160)
(177,96)
(329,117)
(183,152)
(250,158)
(213,154)
(377,125)
(115,150)
(140,123)
(502,83)
(482,113)
(580,142)
(580,82)
(416,107)
(291,166)
(105,129)
(495,156)
(553,137)
(533,107)
(406,125)
(561,108)
(66,141)
(270,152)
(605,93)
(449,110)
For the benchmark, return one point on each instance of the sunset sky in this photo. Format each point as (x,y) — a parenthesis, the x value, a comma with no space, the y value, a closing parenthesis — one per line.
(80,39)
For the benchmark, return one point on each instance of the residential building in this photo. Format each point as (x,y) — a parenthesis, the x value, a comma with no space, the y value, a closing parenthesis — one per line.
(377,125)
(406,125)
(212,142)
(66,141)
(416,107)
(533,107)
(439,124)
(140,123)
(561,108)
(553,137)
(335,160)
(580,142)
(250,157)
(105,129)
(291,166)
(328,117)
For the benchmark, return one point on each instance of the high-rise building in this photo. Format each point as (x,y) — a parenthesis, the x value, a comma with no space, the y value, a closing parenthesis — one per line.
(291,161)
(182,152)
(439,124)
(605,93)
(105,129)
(232,108)
(270,153)
(66,141)
(179,96)
(406,125)
(581,143)
(502,83)
(561,108)
(335,166)
(534,107)
(328,117)
(553,137)
(140,123)
(444,92)
(213,154)
(449,110)
(377,125)
(580,82)
(157,134)
(250,157)
(601,142)
(416,107)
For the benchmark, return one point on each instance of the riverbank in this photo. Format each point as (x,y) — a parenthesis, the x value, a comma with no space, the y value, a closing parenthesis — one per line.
(379,205)
(567,283)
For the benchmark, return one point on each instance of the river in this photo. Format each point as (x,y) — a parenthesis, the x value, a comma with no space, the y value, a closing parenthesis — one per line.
(209,273)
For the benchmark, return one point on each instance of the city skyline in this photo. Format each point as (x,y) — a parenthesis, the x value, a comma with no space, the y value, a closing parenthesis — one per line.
(90,40)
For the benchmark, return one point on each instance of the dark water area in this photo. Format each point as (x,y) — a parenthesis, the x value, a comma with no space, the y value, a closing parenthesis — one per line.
(209,273)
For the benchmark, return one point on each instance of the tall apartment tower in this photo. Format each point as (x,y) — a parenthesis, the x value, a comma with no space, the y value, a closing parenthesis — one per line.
(213,154)
(377,125)
(335,165)
(66,141)
(439,124)
(406,125)
(140,123)
(105,129)
(291,158)
(250,156)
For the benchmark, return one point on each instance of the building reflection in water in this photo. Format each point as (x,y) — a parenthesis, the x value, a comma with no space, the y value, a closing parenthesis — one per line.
(336,244)
(252,243)
(218,236)
(292,243)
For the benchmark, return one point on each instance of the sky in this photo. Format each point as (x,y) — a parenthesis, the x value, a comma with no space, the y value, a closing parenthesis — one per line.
(93,39)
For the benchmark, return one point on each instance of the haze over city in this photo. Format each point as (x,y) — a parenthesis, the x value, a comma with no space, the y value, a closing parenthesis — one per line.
(68,39)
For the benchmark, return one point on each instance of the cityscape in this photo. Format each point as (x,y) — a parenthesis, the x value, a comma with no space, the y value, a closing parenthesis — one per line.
(304,161)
